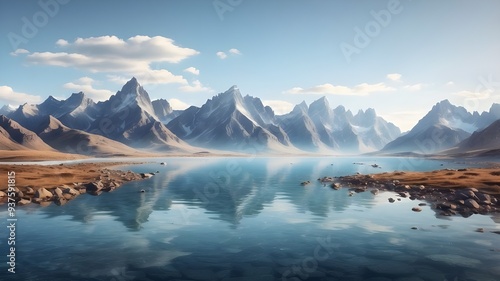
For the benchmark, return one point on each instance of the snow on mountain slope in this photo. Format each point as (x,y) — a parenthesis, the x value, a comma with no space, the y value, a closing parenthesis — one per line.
(318,126)
(129,117)
(444,126)
(229,121)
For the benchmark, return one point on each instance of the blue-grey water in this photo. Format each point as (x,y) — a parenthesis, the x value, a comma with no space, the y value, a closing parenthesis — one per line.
(250,219)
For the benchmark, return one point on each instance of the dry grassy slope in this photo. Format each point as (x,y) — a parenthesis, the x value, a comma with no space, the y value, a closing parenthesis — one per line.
(23,136)
(6,143)
(70,140)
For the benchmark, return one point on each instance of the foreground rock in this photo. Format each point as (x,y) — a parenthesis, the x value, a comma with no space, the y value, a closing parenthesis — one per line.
(106,181)
(447,198)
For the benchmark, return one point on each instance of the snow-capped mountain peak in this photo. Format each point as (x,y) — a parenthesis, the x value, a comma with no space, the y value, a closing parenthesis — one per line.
(132,93)
(6,109)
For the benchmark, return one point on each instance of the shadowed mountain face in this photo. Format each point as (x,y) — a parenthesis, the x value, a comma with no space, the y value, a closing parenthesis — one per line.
(443,127)
(68,140)
(129,117)
(229,121)
(484,142)
(14,136)
(232,122)
(164,111)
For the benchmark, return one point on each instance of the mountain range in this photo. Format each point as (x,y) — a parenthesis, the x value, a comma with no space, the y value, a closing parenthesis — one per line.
(445,126)
(129,123)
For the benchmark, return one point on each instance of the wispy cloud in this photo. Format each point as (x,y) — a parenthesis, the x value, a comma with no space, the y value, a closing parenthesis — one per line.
(279,107)
(192,70)
(150,77)
(110,54)
(178,104)
(363,89)
(85,84)
(234,51)
(470,95)
(19,52)
(223,55)
(9,96)
(394,76)
(196,86)
(414,87)
(405,120)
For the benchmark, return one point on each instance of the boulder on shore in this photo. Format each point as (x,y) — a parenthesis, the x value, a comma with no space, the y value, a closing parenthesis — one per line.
(94,186)
(471,203)
(43,194)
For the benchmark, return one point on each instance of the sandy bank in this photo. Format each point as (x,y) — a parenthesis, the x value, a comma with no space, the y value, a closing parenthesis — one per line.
(60,183)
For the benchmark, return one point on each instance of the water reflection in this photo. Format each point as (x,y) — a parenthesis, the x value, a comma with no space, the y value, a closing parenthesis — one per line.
(227,218)
(229,190)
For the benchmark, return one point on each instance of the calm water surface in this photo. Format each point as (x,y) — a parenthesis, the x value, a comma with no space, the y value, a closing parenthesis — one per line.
(249,219)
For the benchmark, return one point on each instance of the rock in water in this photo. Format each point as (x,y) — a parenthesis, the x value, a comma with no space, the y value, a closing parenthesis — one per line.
(416,209)
(336,186)
(23,202)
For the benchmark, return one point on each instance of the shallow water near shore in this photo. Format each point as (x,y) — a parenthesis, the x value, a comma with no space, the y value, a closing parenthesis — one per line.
(250,219)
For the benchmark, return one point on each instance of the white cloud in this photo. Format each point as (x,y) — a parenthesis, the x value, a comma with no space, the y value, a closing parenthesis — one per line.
(195,87)
(394,76)
(62,43)
(363,89)
(150,77)
(450,83)
(85,84)
(177,104)
(130,57)
(279,107)
(414,87)
(192,70)
(235,51)
(19,52)
(221,55)
(9,96)
(469,95)
(405,120)
(224,55)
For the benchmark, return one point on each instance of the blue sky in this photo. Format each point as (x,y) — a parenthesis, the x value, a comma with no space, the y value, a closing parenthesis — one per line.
(399,57)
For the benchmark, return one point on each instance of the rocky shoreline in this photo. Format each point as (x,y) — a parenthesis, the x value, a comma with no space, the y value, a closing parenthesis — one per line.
(445,201)
(106,180)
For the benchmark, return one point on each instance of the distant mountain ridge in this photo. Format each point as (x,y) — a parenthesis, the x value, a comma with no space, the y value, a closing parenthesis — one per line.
(231,121)
(485,142)
(13,136)
(443,127)
(130,122)
(320,127)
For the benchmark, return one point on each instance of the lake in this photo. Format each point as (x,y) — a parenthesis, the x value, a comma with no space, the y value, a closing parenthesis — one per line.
(250,219)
